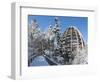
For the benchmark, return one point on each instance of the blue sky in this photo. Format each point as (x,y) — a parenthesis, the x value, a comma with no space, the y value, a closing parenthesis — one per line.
(65,21)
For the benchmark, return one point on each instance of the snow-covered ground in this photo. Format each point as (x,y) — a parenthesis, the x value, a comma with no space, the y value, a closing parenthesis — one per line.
(39,61)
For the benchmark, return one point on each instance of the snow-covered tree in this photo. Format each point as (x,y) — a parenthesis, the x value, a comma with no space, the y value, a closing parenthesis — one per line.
(81,56)
(33,39)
